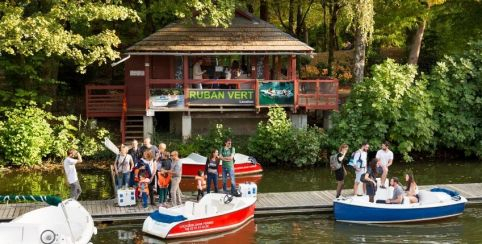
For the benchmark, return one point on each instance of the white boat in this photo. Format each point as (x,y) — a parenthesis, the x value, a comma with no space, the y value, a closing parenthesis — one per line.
(67,223)
(214,213)
(277,93)
(164,100)
(436,203)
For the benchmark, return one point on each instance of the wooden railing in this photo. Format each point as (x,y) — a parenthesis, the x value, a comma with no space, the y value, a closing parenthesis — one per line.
(104,101)
(317,94)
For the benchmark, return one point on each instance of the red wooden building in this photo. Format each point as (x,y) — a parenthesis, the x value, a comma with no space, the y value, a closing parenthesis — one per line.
(247,67)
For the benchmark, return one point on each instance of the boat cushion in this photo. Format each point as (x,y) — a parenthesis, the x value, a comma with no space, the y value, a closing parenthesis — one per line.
(166,218)
(447,191)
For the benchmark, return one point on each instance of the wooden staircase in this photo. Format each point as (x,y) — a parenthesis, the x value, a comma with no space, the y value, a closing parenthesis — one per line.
(134,129)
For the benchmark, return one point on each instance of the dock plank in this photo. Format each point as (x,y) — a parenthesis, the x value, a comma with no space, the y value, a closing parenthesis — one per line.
(274,203)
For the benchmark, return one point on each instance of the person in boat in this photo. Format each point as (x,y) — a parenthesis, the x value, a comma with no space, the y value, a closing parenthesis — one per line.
(212,164)
(397,192)
(412,188)
(163,181)
(370,179)
(144,186)
(341,172)
(73,158)
(385,159)
(135,152)
(227,159)
(123,166)
(200,184)
(360,167)
(176,169)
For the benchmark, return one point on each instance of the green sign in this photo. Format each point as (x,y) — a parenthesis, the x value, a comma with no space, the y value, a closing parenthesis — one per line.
(221,97)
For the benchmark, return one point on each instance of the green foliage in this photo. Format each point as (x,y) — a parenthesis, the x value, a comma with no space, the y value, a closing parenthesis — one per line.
(214,140)
(60,29)
(391,105)
(25,136)
(276,141)
(29,134)
(456,86)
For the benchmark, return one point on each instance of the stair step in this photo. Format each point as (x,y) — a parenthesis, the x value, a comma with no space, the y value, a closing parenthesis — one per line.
(134,120)
(134,126)
(135,132)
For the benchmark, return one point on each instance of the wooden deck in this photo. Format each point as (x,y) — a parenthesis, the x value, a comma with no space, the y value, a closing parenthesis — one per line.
(268,204)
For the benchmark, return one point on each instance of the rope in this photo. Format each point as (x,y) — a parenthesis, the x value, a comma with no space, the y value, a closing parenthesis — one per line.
(51,200)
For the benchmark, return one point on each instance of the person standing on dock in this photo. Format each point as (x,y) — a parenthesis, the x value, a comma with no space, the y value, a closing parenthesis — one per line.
(123,166)
(385,159)
(227,157)
(148,146)
(360,167)
(135,152)
(341,172)
(71,172)
(212,164)
(176,169)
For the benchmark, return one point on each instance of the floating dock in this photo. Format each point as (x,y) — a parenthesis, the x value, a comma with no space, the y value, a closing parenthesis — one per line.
(268,204)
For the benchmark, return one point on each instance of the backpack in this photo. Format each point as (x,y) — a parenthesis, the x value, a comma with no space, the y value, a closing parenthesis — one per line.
(334,164)
(353,162)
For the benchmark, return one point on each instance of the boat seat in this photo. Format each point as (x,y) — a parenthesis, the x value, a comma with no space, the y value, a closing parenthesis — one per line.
(188,209)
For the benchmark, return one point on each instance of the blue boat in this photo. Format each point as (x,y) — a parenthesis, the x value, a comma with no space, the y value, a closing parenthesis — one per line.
(437,203)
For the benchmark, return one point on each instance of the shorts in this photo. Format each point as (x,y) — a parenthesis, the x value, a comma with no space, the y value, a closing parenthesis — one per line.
(358,176)
(371,189)
(340,174)
(379,170)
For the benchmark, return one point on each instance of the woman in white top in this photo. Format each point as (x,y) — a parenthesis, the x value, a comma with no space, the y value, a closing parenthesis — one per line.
(412,188)
(197,74)
(123,166)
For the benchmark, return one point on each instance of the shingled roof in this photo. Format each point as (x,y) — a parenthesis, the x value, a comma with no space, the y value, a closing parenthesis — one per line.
(246,34)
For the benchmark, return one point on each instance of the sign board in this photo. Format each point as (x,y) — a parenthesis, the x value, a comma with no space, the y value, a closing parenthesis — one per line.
(136,73)
(276,93)
(221,97)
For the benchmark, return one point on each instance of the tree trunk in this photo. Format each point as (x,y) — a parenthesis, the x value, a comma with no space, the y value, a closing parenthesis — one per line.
(325,43)
(334,8)
(263,10)
(417,43)
(291,20)
(299,21)
(360,45)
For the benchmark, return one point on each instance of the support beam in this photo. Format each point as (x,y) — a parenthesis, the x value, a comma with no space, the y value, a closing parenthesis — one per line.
(148,123)
(327,123)
(299,120)
(147,76)
(266,68)
(186,127)
(185,78)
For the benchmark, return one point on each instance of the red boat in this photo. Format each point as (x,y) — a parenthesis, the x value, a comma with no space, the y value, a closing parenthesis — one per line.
(243,165)
(214,213)
(190,184)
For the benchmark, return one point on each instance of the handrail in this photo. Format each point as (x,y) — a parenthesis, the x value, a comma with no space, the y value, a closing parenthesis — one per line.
(318,99)
(98,101)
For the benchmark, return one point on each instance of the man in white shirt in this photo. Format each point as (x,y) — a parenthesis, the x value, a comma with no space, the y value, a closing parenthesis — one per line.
(385,159)
(197,74)
(360,158)
(71,172)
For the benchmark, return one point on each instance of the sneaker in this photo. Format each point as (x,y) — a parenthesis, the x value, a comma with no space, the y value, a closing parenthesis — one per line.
(383,187)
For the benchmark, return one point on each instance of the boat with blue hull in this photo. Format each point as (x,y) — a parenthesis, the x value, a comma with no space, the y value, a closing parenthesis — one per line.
(434,204)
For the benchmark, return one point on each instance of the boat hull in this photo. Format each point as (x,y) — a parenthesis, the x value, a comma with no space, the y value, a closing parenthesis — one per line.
(202,225)
(190,170)
(381,213)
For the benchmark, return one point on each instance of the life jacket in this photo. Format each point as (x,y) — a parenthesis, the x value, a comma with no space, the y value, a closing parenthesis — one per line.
(200,178)
(144,186)
(163,180)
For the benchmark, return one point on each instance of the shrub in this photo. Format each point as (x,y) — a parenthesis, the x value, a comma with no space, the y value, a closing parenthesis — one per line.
(391,105)
(276,141)
(25,136)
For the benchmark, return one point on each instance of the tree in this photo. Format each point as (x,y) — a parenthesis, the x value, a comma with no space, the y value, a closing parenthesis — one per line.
(296,8)
(334,7)
(362,20)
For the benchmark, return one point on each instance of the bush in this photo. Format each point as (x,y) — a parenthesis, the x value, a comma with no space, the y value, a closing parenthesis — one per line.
(30,134)
(391,105)
(456,86)
(25,136)
(277,142)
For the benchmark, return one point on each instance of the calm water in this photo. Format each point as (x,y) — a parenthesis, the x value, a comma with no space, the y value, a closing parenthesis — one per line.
(318,229)
(286,229)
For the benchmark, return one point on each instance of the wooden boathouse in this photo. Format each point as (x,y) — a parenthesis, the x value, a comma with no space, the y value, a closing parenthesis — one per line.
(247,67)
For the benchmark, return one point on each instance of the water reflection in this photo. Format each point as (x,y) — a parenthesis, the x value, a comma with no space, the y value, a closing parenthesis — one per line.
(132,234)
(318,229)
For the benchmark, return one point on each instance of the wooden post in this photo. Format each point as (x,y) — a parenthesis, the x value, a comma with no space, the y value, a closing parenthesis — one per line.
(185,79)
(147,77)
(172,67)
(254,67)
(292,64)
(266,68)
(277,73)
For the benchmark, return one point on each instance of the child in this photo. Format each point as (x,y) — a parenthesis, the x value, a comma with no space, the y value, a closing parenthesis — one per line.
(163,180)
(143,187)
(200,184)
